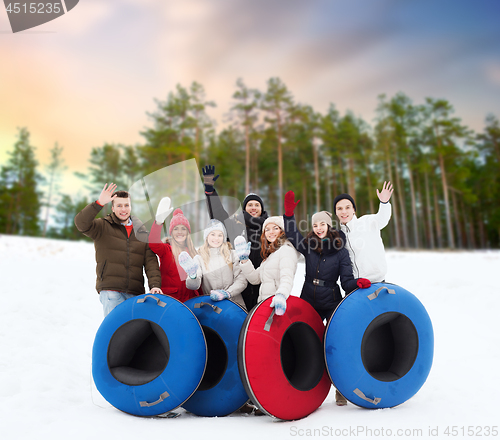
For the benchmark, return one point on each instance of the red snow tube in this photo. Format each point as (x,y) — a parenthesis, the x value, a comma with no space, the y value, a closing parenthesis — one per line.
(281,359)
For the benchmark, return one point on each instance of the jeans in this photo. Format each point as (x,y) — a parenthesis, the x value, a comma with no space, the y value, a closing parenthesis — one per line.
(110,299)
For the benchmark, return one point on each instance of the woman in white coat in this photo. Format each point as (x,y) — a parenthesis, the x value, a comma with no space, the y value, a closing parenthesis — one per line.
(277,270)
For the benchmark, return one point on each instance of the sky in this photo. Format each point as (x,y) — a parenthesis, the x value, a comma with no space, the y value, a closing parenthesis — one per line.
(91,76)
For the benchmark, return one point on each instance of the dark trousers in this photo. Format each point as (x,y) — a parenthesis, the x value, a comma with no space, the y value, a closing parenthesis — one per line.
(250,296)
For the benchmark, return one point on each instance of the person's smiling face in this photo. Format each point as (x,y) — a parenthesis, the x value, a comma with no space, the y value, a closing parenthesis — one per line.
(344,211)
(121,207)
(215,239)
(254,208)
(272,232)
(179,234)
(320,229)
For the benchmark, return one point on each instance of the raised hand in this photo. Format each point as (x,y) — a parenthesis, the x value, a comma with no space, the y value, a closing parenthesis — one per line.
(386,192)
(208,177)
(107,194)
(219,295)
(242,248)
(163,210)
(290,203)
(188,264)
(279,304)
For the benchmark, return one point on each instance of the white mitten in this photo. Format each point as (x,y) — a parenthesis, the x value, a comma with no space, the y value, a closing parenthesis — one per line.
(242,248)
(163,210)
(188,264)
(279,304)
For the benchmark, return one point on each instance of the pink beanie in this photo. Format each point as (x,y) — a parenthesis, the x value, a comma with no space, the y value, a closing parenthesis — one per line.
(178,219)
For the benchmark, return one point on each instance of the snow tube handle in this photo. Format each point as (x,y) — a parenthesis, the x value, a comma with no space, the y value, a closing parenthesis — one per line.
(158,300)
(361,395)
(376,293)
(162,397)
(201,304)
(269,321)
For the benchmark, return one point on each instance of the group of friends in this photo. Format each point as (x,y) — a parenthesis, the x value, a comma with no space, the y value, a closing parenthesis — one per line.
(246,258)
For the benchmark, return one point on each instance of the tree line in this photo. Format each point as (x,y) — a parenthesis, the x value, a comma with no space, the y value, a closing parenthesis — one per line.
(446,176)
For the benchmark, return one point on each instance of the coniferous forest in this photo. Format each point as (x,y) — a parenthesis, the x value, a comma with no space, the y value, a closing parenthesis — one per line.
(446,176)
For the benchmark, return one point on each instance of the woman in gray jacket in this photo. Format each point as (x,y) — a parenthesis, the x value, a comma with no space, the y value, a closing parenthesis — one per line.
(216,268)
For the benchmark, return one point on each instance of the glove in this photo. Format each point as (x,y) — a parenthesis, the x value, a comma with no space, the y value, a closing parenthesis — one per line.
(188,264)
(290,203)
(163,210)
(219,295)
(279,304)
(242,248)
(208,177)
(363,283)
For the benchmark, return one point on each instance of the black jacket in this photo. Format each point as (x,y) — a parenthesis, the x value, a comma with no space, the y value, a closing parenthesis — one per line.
(327,267)
(240,224)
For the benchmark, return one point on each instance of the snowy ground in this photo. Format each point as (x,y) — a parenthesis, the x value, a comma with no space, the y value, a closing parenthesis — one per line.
(50,313)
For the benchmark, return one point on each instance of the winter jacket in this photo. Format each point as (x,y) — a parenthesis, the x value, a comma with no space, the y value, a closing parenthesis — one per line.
(219,275)
(325,267)
(241,224)
(365,246)
(173,276)
(120,258)
(276,272)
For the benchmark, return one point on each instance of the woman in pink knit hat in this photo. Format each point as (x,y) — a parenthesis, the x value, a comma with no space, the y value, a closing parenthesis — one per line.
(173,276)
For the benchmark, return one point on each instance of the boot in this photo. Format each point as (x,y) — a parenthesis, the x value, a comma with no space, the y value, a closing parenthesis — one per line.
(340,400)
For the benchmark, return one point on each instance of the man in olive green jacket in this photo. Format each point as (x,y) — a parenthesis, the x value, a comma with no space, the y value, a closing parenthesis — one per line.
(121,252)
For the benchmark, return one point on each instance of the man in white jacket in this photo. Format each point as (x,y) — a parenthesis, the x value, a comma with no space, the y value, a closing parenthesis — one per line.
(363,240)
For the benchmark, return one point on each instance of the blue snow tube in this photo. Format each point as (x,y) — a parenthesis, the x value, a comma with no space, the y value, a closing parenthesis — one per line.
(379,346)
(149,355)
(221,391)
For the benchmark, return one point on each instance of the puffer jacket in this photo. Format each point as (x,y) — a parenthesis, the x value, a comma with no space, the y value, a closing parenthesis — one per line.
(247,226)
(120,259)
(219,275)
(325,267)
(365,246)
(276,272)
(173,276)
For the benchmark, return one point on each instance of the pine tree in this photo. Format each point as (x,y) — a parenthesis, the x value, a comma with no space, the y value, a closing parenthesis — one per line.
(278,102)
(19,184)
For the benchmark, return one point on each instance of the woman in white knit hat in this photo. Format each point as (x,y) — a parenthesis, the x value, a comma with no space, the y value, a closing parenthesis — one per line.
(217,267)
(279,263)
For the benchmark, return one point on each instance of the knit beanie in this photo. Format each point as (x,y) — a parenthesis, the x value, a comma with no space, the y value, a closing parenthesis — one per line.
(214,225)
(277,220)
(253,196)
(322,216)
(178,219)
(342,197)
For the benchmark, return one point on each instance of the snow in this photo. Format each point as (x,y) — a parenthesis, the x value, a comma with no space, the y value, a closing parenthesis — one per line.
(50,313)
